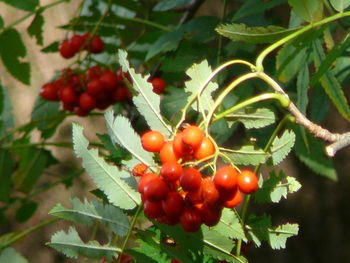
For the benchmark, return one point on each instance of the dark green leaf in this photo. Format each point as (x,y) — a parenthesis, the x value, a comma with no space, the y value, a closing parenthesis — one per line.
(52,48)
(307,9)
(330,84)
(129,4)
(36,28)
(26,211)
(26,5)
(172,104)
(6,166)
(201,29)
(12,49)
(9,255)
(257,35)
(1,22)
(340,5)
(169,4)
(117,153)
(302,88)
(6,114)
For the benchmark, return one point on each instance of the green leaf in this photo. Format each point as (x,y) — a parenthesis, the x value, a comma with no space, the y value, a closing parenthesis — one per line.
(252,7)
(52,48)
(117,153)
(9,255)
(121,132)
(146,101)
(1,22)
(330,84)
(108,178)
(35,29)
(311,152)
(47,116)
(306,9)
(72,246)
(276,187)
(302,88)
(253,118)
(6,166)
(247,155)
(110,216)
(26,211)
(229,225)
(26,5)
(172,104)
(167,42)
(199,74)
(12,49)
(340,5)
(256,35)
(329,59)
(6,114)
(281,146)
(278,235)
(169,4)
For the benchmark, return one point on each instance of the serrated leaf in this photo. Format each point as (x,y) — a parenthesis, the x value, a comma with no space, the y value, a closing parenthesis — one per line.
(121,132)
(278,235)
(26,5)
(12,50)
(52,48)
(111,216)
(147,102)
(247,155)
(276,187)
(35,29)
(281,146)
(330,83)
(253,119)
(306,9)
(340,5)
(107,177)
(9,255)
(255,35)
(229,225)
(199,74)
(72,246)
(169,4)
(302,88)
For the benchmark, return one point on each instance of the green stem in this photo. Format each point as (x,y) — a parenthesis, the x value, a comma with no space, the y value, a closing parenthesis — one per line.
(28,231)
(145,22)
(133,222)
(223,11)
(34,144)
(269,49)
(266,96)
(43,8)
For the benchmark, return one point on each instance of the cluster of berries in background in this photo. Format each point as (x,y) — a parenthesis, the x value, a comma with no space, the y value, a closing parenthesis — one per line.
(180,192)
(76,43)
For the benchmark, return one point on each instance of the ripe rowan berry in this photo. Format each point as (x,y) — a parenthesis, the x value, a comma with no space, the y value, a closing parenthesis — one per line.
(192,136)
(156,189)
(247,181)
(205,149)
(190,179)
(190,219)
(167,153)
(226,178)
(171,171)
(159,85)
(139,169)
(152,141)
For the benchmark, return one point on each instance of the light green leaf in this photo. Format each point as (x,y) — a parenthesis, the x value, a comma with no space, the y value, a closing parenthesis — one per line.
(330,83)
(26,5)
(278,235)
(340,5)
(281,146)
(12,50)
(247,155)
(121,132)
(111,216)
(229,225)
(35,29)
(107,177)
(72,246)
(147,102)
(169,4)
(199,74)
(256,35)
(306,9)
(253,118)
(10,255)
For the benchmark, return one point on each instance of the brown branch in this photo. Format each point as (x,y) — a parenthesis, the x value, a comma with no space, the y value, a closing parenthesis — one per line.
(338,141)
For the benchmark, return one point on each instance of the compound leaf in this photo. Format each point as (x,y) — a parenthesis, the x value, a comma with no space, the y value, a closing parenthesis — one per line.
(247,155)
(340,5)
(253,118)
(35,29)
(281,146)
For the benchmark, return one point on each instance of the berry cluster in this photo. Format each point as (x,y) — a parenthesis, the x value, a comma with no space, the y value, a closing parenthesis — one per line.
(82,92)
(72,46)
(181,193)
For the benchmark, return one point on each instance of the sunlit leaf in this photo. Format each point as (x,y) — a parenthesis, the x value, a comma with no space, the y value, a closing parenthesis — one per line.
(281,146)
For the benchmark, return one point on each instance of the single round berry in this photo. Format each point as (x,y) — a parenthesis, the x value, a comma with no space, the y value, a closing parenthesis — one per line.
(81,112)
(192,136)
(167,153)
(181,149)
(171,171)
(156,189)
(68,95)
(109,80)
(205,149)
(226,178)
(96,45)
(87,101)
(145,180)
(190,219)
(233,199)
(121,93)
(49,92)
(247,181)
(76,43)
(173,204)
(139,169)
(66,50)
(159,85)
(210,194)
(152,209)
(210,214)
(190,179)
(152,141)
(95,87)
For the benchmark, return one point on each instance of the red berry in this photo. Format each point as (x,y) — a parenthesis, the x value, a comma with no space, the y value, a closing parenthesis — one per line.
(210,194)
(226,178)
(159,85)
(247,181)
(171,171)
(66,50)
(173,204)
(152,141)
(192,136)
(190,219)
(144,181)
(86,101)
(68,95)
(94,87)
(96,45)
(210,214)
(167,153)
(109,80)
(156,189)
(139,169)
(121,93)
(81,112)
(76,43)
(93,72)
(181,149)
(190,179)
(232,199)
(205,149)
(153,209)
(49,91)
